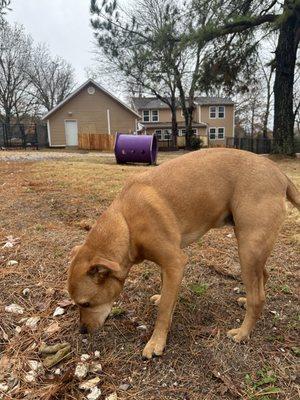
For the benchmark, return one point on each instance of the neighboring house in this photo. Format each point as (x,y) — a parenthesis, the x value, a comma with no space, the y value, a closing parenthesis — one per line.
(213,119)
(89,109)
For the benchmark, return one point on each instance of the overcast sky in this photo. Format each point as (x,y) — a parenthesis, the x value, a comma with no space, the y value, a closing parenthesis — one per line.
(63,25)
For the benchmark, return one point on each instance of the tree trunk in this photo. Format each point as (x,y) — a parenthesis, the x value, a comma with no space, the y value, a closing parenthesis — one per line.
(174,125)
(188,127)
(7,117)
(268,105)
(266,118)
(252,121)
(187,110)
(285,59)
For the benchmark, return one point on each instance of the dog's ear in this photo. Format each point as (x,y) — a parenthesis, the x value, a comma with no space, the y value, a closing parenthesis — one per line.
(74,251)
(101,266)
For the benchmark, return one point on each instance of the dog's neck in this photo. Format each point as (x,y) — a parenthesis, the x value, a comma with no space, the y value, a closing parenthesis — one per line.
(110,238)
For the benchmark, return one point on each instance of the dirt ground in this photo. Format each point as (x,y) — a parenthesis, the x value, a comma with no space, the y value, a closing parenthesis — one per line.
(46,205)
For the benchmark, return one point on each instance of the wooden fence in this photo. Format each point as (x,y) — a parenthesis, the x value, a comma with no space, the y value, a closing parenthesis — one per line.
(96,141)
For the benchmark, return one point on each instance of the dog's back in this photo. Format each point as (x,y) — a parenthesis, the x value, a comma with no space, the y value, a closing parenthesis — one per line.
(205,187)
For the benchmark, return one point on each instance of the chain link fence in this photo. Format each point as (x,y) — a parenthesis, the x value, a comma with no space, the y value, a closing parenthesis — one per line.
(257,145)
(23,136)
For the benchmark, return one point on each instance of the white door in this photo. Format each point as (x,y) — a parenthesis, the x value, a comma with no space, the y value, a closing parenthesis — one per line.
(71,132)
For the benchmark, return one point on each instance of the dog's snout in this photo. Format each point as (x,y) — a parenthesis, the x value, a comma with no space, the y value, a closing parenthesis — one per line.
(83,329)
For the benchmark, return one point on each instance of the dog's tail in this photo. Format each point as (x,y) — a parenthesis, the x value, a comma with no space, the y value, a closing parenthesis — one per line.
(292,194)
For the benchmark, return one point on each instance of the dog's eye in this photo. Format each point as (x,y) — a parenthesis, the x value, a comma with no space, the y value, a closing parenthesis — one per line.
(85,305)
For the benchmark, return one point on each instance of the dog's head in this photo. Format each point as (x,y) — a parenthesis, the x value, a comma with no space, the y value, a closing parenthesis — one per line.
(94,283)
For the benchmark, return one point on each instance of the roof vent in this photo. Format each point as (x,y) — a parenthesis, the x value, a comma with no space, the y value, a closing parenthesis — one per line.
(91,90)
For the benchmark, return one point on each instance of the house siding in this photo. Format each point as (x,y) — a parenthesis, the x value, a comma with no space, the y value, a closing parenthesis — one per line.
(165,115)
(227,123)
(90,112)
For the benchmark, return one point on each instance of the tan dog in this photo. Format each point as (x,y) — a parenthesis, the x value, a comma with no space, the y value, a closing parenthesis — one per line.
(165,209)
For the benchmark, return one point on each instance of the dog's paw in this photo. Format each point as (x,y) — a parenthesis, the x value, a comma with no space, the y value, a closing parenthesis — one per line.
(153,348)
(155,299)
(238,335)
(242,302)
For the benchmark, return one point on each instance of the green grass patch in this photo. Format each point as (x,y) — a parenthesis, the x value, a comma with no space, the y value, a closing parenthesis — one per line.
(117,311)
(286,289)
(199,288)
(262,385)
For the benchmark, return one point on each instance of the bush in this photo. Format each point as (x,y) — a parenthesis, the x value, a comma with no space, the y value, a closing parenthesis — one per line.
(195,143)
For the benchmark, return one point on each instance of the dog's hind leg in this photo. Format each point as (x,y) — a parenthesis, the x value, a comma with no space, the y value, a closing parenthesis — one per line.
(256,236)
(155,299)
(242,301)
(172,266)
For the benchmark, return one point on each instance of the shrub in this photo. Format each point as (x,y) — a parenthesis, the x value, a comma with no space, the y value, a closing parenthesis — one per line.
(195,143)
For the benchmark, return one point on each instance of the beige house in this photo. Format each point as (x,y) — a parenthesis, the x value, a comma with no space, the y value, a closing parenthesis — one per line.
(213,119)
(89,109)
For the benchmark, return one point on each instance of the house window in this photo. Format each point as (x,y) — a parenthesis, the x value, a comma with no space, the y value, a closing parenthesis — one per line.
(221,112)
(154,114)
(221,133)
(216,112)
(216,133)
(150,116)
(212,133)
(158,134)
(167,135)
(212,112)
(146,116)
(182,132)
(163,135)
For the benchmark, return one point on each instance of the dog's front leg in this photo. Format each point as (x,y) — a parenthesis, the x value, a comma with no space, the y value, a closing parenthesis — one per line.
(172,275)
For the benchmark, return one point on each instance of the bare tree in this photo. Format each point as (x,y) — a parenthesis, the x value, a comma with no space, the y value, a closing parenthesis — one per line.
(108,75)
(250,111)
(15,53)
(153,41)
(267,74)
(142,61)
(52,79)
(297,98)
(4,4)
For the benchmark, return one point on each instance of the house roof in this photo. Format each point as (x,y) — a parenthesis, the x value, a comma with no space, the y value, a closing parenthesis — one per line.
(211,101)
(76,91)
(148,103)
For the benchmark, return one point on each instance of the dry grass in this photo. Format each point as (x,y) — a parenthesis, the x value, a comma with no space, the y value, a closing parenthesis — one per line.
(47,204)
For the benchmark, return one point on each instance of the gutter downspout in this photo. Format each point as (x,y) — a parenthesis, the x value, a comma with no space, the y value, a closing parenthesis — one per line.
(108,121)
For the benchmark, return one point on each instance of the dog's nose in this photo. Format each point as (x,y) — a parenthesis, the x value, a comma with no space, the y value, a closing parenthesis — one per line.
(83,329)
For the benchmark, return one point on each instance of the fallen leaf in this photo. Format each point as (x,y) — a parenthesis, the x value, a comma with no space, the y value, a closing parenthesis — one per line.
(86,385)
(58,311)
(65,303)
(112,396)
(94,394)
(44,349)
(11,263)
(32,322)
(14,309)
(54,359)
(10,242)
(81,370)
(52,328)
(5,365)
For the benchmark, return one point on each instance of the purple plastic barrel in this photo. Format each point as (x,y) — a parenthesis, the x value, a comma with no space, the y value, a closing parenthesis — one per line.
(136,148)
